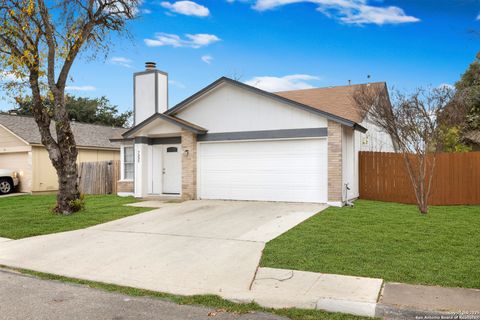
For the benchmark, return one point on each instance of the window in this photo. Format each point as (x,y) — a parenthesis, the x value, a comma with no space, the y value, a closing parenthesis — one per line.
(172,149)
(128,162)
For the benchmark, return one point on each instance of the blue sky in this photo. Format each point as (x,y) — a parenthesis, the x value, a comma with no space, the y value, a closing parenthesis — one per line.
(287,44)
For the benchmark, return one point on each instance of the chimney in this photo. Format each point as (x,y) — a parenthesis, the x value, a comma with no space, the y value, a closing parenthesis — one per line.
(150,92)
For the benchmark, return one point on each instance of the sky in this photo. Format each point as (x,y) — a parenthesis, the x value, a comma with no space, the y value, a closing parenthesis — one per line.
(286,44)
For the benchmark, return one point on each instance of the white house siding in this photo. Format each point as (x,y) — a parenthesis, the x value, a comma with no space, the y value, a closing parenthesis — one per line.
(375,139)
(144,96)
(233,109)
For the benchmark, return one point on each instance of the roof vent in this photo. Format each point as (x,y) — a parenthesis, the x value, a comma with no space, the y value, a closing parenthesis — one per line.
(150,65)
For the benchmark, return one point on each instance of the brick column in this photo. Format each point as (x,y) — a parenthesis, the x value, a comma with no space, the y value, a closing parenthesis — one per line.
(335,175)
(189,165)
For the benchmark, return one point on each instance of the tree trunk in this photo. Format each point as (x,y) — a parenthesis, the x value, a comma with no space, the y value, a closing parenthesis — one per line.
(68,191)
(67,171)
(423,207)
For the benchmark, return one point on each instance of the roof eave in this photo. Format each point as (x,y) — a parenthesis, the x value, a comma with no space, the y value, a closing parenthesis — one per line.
(165,117)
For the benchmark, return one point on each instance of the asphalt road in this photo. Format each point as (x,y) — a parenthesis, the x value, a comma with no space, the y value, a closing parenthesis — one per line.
(26,297)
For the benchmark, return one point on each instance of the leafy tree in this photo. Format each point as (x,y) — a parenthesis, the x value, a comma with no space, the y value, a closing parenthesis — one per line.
(469,88)
(39,43)
(86,110)
(451,139)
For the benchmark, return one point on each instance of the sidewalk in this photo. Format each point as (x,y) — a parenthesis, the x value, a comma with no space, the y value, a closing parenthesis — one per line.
(406,301)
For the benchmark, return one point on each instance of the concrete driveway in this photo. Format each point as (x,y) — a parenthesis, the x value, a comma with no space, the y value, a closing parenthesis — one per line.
(193,247)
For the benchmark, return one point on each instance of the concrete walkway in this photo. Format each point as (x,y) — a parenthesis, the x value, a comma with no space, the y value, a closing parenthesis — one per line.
(25,297)
(4,239)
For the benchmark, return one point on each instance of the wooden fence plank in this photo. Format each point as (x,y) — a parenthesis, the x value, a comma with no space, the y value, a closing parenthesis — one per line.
(99,177)
(384,177)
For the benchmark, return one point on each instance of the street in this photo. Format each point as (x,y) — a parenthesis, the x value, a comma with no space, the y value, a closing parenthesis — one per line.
(26,297)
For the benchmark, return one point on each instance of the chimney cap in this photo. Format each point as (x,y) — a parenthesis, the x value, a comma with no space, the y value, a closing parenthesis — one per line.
(149,65)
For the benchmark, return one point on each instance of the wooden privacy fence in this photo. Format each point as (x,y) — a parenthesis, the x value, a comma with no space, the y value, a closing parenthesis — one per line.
(456,180)
(99,177)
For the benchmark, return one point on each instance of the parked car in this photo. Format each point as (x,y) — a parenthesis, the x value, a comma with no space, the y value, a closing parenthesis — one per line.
(8,180)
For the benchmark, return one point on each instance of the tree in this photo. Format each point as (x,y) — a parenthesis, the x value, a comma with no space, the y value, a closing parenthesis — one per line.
(414,122)
(468,87)
(39,42)
(86,110)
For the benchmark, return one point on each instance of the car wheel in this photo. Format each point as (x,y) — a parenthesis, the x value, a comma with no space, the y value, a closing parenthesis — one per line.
(6,186)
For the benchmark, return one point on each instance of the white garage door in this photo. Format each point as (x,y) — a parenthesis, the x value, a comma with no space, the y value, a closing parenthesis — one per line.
(275,170)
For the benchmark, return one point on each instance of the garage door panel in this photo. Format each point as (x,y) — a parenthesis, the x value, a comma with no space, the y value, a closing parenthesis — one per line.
(285,170)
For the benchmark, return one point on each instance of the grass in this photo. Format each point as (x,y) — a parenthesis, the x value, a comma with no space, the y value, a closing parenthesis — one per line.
(386,240)
(27,216)
(210,301)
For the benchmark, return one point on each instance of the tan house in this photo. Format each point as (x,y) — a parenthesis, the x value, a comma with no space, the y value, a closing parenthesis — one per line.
(21,150)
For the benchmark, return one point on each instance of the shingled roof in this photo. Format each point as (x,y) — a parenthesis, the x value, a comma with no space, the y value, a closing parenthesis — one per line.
(86,135)
(335,100)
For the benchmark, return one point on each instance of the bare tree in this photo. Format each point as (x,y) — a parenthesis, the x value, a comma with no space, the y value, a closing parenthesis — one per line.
(39,42)
(414,122)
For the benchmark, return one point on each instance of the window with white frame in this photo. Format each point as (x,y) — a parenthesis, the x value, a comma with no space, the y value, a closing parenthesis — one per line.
(128,162)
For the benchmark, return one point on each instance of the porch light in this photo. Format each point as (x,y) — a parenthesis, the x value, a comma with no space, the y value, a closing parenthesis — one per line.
(185,152)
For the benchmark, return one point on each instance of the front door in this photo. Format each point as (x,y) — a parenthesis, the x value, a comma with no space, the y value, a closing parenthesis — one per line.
(172,170)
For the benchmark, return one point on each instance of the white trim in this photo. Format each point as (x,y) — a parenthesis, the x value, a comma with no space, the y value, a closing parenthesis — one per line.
(15,149)
(335,203)
(125,194)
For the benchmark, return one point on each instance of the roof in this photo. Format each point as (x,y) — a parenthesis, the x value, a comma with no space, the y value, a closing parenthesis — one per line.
(335,100)
(177,121)
(473,136)
(86,135)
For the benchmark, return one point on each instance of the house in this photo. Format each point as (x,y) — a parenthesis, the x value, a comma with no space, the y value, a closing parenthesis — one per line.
(234,141)
(472,139)
(21,149)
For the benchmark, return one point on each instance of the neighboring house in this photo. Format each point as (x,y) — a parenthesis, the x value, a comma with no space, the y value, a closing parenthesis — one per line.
(472,138)
(21,149)
(234,141)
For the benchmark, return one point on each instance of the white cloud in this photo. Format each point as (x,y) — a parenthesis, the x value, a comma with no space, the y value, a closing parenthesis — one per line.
(447,86)
(190,40)
(347,11)
(7,76)
(188,8)
(80,88)
(121,61)
(275,84)
(207,58)
(145,11)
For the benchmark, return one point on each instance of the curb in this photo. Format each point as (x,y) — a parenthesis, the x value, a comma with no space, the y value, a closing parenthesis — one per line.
(389,312)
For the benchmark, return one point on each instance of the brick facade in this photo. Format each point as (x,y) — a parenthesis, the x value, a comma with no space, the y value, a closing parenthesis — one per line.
(335,175)
(125,186)
(189,165)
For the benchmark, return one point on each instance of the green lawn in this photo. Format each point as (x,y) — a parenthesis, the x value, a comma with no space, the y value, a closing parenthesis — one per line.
(386,240)
(26,216)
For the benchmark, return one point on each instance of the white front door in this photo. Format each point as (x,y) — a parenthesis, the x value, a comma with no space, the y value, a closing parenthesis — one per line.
(172,169)
(155,169)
